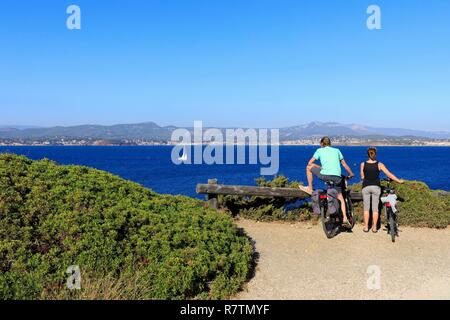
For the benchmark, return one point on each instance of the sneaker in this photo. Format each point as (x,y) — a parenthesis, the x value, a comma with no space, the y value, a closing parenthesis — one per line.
(306,189)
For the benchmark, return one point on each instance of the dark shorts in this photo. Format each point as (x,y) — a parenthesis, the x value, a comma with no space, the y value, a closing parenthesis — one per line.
(336,179)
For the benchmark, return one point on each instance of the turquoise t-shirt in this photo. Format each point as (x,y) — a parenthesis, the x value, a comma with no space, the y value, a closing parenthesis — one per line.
(330,159)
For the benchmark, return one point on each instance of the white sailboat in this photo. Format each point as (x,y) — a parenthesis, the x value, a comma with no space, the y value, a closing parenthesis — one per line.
(184,156)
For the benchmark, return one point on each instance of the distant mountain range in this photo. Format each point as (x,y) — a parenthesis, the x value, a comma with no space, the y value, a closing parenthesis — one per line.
(354,130)
(146,131)
(152,131)
(18,127)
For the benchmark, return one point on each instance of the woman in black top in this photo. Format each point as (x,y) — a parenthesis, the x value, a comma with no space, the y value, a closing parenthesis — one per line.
(370,174)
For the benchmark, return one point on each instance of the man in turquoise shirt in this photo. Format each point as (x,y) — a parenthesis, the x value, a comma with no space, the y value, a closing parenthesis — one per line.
(331,160)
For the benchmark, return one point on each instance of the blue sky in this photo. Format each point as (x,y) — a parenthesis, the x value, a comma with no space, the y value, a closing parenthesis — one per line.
(258,63)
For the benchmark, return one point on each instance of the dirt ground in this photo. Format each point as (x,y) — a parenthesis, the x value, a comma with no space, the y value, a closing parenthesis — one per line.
(297,261)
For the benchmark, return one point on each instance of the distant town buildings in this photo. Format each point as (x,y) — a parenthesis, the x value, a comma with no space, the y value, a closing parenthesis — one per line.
(340,140)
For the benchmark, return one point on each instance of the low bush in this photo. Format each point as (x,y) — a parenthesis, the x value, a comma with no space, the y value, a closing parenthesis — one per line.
(422,207)
(268,209)
(129,242)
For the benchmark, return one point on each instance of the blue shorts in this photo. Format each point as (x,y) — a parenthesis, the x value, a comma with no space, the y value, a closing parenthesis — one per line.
(325,178)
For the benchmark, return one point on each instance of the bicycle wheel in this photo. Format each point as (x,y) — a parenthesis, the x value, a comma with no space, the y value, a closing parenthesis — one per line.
(350,216)
(392,225)
(329,224)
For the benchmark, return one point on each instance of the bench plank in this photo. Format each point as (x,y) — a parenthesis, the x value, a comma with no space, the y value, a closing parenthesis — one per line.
(290,193)
(251,191)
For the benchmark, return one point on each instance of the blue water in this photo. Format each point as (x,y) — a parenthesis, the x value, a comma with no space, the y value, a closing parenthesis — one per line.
(153,168)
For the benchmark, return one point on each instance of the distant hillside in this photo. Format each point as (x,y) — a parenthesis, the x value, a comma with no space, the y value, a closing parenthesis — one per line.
(17,127)
(353,130)
(147,131)
(152,131)
(412,133)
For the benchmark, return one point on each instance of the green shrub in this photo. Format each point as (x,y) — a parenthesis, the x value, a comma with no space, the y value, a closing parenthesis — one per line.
(265,208)
(129,242)
(422,207)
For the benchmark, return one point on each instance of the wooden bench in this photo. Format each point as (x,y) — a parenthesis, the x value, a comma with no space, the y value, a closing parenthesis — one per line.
(212,190)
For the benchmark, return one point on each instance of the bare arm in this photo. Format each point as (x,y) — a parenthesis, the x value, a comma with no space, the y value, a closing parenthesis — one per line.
(349,171)
(362,171)
(389,174)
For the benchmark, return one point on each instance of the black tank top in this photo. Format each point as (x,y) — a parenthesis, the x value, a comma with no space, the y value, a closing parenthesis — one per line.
(371,174)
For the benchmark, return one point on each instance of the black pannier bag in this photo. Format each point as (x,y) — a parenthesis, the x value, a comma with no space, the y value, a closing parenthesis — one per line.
(333,201)
(315,202)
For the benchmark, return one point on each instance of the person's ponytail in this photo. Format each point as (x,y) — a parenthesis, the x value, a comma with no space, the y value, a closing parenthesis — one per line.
(372,153)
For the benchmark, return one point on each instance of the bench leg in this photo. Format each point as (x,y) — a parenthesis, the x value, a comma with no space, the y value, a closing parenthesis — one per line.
(213,202)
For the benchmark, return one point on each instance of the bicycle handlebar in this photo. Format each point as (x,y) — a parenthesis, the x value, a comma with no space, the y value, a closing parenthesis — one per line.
(389,189)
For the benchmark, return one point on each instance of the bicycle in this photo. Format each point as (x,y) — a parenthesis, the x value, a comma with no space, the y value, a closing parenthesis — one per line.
(332,223)
(389,200)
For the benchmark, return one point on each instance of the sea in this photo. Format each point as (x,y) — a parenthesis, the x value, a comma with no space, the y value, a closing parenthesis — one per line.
(152,166)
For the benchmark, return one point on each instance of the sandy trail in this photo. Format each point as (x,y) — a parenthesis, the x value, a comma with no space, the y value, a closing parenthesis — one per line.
(298,262)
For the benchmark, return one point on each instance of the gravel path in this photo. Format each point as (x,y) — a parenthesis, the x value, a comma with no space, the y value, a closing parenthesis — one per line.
(297,262)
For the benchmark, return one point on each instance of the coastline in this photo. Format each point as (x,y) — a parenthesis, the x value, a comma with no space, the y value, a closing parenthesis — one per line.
(444,145)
